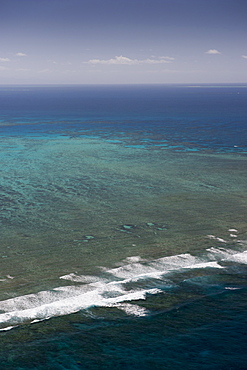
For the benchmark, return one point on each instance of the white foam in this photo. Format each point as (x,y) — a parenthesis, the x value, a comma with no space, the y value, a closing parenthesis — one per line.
(133,309)
(117,290)
(221,240)
(155,268)
(238,257)
(208,264)
(7,277)
(8,328)
(79,278)
(219,253)
(134,259)
(67,306)
(211,236)
(227,255)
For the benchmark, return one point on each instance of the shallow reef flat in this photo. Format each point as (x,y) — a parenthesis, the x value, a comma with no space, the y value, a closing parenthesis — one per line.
(73,204)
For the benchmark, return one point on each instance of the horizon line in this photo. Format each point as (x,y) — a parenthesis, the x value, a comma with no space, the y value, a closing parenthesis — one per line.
(196,84)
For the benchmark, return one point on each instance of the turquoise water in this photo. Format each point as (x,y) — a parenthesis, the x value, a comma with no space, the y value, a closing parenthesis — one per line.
(123,227)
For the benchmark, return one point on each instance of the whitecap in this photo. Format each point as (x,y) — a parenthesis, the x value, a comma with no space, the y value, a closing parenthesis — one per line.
(238,257)
(133,309)
(124,284)
(79,278)
(216,238)
(8,328)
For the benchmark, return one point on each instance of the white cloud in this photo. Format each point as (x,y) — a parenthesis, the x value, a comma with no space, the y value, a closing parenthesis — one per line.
(244,56)
(4,60)
(167,58)
(128,61)
(116,60)
(160,60)
(213,51)
(21,54)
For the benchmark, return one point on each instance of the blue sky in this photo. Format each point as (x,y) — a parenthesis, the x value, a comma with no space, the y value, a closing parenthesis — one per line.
(123,41)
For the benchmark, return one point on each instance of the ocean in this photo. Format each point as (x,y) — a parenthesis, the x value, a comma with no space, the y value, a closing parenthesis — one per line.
(123,227)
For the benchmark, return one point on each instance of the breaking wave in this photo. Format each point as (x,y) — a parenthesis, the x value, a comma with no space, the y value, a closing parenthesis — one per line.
(121,287)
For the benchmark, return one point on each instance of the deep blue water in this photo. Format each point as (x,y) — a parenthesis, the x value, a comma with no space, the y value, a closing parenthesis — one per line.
(126,206)
(209,117)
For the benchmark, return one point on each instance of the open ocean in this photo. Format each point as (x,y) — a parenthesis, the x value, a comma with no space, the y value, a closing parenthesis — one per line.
(123,227)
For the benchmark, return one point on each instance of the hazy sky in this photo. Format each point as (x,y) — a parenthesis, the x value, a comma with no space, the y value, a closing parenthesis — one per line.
(123,41)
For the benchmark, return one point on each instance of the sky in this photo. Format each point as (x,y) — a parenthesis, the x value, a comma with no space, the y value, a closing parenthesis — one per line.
(123,41)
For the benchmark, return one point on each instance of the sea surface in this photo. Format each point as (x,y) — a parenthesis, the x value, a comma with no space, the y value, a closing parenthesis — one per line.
(123,227)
